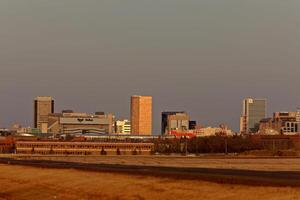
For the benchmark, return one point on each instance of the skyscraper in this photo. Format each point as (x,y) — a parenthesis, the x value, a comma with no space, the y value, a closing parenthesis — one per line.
(141,115)
(254,110)
(43,106)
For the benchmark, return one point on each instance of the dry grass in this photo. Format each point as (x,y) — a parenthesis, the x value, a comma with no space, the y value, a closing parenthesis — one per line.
(20,182)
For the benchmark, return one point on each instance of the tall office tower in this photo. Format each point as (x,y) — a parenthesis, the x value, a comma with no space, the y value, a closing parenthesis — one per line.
(254,110)
(43,106)
(174,121)
(141,115)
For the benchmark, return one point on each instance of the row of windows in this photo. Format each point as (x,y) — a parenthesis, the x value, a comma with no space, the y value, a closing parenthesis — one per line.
(83,143)
(79,150)
(83,146)
(74,152)
(104,147)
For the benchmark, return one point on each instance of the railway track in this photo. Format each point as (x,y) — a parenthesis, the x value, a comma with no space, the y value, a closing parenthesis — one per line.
(229,176)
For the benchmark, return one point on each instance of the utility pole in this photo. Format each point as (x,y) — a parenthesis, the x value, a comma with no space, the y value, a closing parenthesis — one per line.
(226,146)
(273,146)
(196,146)
(186,146)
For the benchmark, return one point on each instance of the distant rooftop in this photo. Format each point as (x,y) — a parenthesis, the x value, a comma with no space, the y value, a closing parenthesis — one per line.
(44,98)
(173,112)
(140,96)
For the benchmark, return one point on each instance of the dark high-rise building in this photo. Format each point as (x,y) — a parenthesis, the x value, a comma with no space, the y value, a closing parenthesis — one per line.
(43,106)
(192,125)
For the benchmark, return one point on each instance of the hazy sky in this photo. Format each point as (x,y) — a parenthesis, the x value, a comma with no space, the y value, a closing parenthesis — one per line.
(201,56)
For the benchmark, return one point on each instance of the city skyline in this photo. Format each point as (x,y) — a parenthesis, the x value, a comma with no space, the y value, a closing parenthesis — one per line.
(117,116)
(139,99)
(199,56)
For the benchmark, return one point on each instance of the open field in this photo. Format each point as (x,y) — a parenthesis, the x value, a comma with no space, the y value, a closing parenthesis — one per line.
(231,170)
(23,182)
(217,162)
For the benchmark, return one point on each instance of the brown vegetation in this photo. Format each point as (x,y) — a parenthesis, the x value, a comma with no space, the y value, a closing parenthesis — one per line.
(19,182)
(214,144)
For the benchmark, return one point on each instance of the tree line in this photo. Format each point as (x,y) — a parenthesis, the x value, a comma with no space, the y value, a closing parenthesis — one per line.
(213,144)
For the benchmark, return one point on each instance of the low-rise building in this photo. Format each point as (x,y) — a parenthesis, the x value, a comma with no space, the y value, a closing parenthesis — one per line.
(83,148)
(174,121)
(287,123)
(122,126)
(222,130)
(72,123)
(20,130)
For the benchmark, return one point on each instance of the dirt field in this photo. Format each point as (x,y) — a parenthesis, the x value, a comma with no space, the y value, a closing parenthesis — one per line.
(19,182)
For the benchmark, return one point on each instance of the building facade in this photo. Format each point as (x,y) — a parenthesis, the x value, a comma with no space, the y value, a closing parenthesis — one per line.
(43,106)
(80,123)
(287,123)
(122,126)
(82,148)
(174,121)
(213,131)
(141,115)
(192,125)
(254,110)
